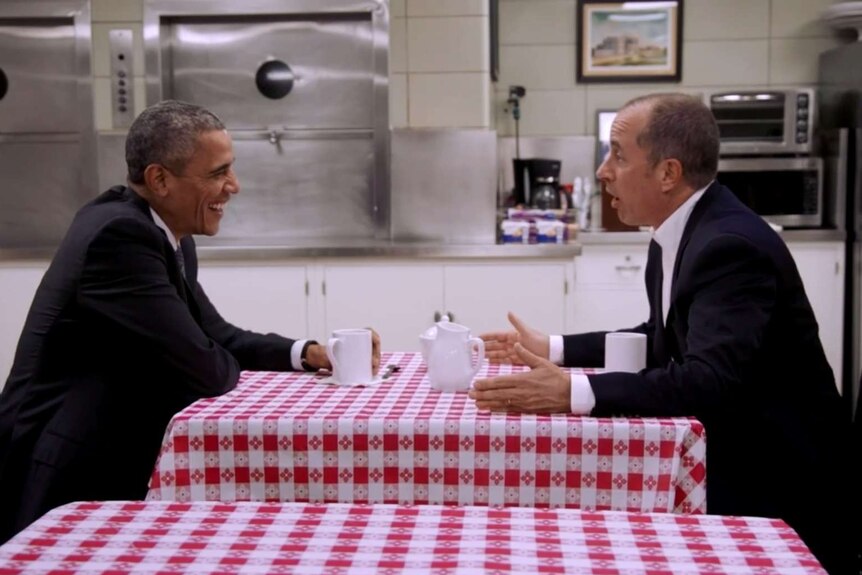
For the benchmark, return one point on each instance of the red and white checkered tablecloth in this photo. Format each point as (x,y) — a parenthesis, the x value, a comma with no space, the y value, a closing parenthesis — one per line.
(289,437)
(206,537)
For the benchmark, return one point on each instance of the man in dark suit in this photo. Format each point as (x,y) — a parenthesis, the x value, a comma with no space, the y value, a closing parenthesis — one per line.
(731,337)
(120,335)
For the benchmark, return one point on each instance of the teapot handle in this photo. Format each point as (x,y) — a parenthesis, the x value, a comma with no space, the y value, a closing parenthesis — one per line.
(480,349)
(330,351)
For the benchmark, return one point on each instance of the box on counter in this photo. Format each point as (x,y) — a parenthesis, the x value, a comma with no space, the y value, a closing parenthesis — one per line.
(550,232)
(514,232)
(535,215)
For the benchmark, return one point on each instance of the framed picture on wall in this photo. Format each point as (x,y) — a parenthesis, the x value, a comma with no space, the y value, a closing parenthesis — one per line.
(635,41)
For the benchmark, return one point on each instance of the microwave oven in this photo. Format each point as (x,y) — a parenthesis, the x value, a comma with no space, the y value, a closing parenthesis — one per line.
(786,191)
(764,122)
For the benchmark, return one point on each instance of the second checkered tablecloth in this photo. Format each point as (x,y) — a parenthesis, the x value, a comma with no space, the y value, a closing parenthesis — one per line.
(287,437)
(303,538)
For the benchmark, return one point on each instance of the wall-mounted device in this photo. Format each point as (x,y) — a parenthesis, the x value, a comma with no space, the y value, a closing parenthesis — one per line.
(122,80)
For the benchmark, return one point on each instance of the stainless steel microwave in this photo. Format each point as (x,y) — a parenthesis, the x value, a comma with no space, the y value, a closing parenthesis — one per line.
(764,121)
(785,191)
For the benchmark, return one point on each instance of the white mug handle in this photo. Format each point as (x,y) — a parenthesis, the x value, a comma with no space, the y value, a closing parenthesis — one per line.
(480,348)
(330,351)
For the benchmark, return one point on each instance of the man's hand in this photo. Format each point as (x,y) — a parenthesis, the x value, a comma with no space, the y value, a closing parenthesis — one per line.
(375,352)
(500,345)
(315,356)
(544,389)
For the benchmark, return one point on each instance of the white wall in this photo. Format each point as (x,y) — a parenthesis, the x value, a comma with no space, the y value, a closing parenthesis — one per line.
(726,43)
(439,62)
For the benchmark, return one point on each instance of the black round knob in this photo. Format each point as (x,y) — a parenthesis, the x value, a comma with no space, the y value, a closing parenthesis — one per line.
(4,84)
(274,79)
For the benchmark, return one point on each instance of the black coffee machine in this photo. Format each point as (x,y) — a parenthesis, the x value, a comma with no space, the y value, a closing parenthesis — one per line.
(537,183)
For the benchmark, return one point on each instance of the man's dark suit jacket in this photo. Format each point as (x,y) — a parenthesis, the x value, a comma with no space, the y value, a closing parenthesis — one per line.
(115,343)
(740,351)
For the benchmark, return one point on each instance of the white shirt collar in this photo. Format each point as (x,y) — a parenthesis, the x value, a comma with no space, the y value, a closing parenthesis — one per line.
(669,234)
(164,227)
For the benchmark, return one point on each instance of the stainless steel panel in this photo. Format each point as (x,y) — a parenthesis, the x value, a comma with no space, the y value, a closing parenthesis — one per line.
(208,52)
(37,206)
(444,185)
(213,62)
(111,160)
(298,189)
(122,82)
(37,56)
(47,146)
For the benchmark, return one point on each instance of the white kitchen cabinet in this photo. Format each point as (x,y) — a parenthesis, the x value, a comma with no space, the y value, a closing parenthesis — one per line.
(18,283)
(609,290)
(821,265)
(262,298)
(480,295)
(397,299)
(402,299)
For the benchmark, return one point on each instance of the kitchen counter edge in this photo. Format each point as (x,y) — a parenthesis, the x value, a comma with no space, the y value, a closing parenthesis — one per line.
(610,238)
(424,251)
(356,250)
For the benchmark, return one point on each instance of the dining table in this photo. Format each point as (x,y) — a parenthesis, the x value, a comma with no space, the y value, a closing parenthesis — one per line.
(161,537)
(298,437)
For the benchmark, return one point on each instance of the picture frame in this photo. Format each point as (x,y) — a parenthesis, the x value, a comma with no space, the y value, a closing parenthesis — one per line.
(633,41)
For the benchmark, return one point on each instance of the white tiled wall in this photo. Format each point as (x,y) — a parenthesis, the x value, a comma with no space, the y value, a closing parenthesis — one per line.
(439,59)
(732,43)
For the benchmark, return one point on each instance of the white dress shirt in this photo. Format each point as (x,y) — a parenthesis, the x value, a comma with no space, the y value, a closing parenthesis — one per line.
(668,235)
(295,349)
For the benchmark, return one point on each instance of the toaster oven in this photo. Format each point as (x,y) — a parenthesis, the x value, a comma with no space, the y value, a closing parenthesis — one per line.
(764,122)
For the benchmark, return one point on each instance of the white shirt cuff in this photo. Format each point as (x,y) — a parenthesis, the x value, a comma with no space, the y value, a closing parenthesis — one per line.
(555,351)
(296,354)
(583,400)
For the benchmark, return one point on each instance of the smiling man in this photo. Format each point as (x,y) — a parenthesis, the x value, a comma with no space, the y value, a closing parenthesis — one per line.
(120,335)
(731,337)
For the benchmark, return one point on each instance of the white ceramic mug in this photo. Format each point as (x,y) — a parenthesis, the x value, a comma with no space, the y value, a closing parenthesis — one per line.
(349,352)
(625,351)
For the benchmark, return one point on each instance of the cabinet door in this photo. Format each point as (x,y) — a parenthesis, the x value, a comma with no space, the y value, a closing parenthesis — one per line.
(398,300)
(480,295)
(18,283)
(821,265)
(609,288)
(259,298)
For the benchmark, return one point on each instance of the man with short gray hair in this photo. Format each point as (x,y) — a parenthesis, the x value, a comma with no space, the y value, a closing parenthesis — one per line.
(731,337)
(120,335)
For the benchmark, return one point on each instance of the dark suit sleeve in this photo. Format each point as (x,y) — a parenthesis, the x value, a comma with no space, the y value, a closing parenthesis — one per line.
(125,283)
(732,288)
(270,352)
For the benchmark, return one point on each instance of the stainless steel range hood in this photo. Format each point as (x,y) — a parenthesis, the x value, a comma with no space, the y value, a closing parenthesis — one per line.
(302,86)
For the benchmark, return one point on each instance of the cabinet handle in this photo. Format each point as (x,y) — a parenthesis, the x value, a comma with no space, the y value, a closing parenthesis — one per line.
(629,268)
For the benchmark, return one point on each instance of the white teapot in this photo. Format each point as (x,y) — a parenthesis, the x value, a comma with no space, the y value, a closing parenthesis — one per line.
(448,352)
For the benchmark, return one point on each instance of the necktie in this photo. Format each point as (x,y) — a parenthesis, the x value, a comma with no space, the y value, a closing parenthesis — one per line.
(655,256)
(181,262)
(654,262)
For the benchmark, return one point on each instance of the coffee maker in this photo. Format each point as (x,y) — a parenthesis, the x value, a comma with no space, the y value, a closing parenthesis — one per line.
(537,183)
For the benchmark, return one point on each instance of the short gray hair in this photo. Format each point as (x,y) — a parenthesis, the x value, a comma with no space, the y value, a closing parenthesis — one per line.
(680,126)
(166,133)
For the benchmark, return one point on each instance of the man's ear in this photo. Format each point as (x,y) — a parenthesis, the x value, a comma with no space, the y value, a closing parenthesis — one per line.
(670,173)
(155,177)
